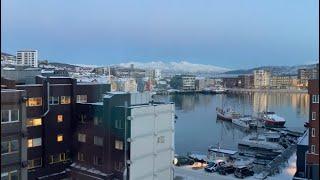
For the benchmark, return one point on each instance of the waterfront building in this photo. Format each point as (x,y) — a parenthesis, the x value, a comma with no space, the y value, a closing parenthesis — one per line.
(281,82)
(231,82)
(7,58)
(307,73)
(183,82)
(13,135)
(246,81)
(261,78)
(200,83)
(126,136)
(27,58)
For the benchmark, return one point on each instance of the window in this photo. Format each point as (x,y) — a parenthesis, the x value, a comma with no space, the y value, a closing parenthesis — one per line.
(97,120)
(59,137)
(98,140)
(57,158)
(9,116)
(34,163)
(34,142)
(60,118)
(118,165)
(313,132)
(313,148)
(34,122)
(12,175)
(65,99)
(118,145)
(80,156)
(315,98)
(160,139)
(119,124)
(81,98)
(35,101)
(83,118)
(97,160)
(81,137)
(8,147)
(54,100)
(313,116)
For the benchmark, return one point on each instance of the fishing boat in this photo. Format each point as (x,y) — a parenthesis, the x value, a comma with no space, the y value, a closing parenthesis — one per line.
(228,114)
(246,122)
(271,119)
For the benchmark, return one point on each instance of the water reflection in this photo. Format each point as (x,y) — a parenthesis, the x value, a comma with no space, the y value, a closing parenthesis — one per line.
(196,127)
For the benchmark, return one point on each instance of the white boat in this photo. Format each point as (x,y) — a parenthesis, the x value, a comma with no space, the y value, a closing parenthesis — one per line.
(264,142)
(271,119)
(218,89)
(245,122)
(228,114)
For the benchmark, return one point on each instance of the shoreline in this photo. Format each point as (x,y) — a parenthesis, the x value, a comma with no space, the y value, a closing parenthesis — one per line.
(238,90)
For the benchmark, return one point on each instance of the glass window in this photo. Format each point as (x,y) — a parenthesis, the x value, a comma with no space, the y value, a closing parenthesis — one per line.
(80,156)
(313,132)
(97,160)
(35,101)
(313,148)
(34,142)
(119,124)
(60,138)
(313,116)
(54,100)
(315,98)
(9,146)
(4,116)
(34,122)
(97,120)
(34,163)
(161,139)
(4,147)
(98,140)
(14,146)
(14,115)
(60,118)
(65,99)
(12,175)
(81,137)
(81,98)
(55,158)
(119,145)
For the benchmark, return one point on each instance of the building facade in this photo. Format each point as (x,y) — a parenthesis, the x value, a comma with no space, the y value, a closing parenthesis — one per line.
(13,135)
(306,74)
(27,58)
(281,82)
(184,82)
(261,78)
(7,58)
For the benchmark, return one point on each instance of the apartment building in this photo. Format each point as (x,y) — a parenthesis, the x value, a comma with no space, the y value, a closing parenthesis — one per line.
(306,74)
(127,136)
(312,160)
(261,78)
(27,58)
(13,135)
(184,82)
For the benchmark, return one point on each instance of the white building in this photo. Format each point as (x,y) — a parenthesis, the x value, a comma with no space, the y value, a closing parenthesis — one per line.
(261,78)
(27,58)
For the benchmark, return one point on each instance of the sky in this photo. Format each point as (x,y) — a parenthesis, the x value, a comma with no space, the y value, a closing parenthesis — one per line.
(235,34)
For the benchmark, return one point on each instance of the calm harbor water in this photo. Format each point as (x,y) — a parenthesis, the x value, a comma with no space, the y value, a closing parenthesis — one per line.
(197,126)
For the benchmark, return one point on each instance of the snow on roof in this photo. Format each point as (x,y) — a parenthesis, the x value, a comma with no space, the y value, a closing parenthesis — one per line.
(225,151)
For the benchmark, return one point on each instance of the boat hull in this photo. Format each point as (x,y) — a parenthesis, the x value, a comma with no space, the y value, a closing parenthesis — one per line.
(274,124)
(223,117)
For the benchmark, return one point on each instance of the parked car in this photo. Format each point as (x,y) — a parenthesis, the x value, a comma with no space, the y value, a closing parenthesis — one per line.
(213,166)
(227,169)
(182,160)
(243,172)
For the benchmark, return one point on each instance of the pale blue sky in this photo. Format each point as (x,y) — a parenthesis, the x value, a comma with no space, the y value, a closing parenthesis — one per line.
(228,33)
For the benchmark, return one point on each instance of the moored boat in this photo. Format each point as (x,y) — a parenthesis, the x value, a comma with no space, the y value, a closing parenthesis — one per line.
(227,114)
(271,119)
(246,122)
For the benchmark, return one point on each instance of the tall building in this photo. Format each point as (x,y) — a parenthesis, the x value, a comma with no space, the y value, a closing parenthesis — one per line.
(127,136)
(261,78)
(306,74)
(27,58)
(183,82)
(312,160)
(13,135)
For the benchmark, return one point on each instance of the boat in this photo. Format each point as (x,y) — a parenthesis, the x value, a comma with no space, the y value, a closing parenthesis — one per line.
(266,143)
(228,114)
(218,90)
(271,119)
(246,122)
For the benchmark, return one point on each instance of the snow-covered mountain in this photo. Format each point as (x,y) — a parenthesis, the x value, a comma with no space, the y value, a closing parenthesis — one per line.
(178,67)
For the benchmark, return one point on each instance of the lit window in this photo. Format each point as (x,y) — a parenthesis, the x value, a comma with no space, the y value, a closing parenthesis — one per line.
(60,138)
(313,132)
(60,118)
(81,137)
(80,156)
(313,116)
(81,98)
(34,122)
(12,175)
(98,140)
(9,116)
(34,142)
(54,100)
(313,148)
(35,101)
(315,98)
(34,163)
(65,99)
(97,160)
(8,147)
(118,145)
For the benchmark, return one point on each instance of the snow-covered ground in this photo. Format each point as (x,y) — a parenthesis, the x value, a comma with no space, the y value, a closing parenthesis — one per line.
(187,173)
